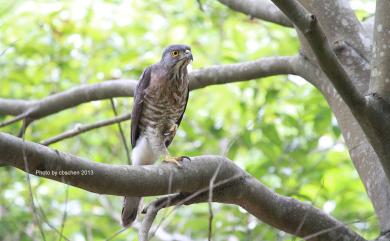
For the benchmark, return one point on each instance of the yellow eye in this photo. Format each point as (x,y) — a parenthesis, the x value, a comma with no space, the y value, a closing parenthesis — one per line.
(175,53)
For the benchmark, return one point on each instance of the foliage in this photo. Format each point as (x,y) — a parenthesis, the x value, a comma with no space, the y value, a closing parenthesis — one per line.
(279,129)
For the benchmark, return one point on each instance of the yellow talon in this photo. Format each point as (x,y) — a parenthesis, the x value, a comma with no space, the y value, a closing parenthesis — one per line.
(174,160)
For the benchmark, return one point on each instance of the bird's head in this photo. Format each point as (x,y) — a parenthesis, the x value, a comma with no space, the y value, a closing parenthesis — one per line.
(177,56)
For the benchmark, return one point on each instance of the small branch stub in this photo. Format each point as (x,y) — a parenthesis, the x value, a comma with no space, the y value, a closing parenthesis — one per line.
(311,20)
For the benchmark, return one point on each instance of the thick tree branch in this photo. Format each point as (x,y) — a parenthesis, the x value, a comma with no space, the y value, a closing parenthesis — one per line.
(281,212)
(262,9)
(346,35)
(371,112)
(368,27)
(213,75)
(339,22)
(15,107)
(364,158)
(378,109)
(84,128)
(327,59)
(380,74)
(223,74)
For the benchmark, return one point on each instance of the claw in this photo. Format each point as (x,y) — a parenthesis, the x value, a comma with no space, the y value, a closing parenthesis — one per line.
(174,160)
(185,157)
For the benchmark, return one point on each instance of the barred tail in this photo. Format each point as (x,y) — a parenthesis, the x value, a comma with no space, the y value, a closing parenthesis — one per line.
(142,154)
(130,210)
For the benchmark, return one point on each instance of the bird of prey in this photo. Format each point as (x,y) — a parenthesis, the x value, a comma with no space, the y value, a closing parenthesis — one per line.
(160,100)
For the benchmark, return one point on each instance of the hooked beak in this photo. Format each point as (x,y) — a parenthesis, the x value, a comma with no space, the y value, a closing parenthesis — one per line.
(189,54)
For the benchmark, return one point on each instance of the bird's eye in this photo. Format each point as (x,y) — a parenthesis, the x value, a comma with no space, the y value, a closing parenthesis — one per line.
(175,53)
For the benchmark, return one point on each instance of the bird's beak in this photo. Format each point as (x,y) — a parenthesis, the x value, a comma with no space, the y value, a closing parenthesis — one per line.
(189,54)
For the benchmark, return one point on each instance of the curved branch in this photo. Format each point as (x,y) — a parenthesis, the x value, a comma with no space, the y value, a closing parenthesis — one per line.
(67,99)
(262,9)
(281,212)
(220,74)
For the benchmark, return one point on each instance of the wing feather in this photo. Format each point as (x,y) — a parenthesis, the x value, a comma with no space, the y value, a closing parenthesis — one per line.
(138,103)
(184,110)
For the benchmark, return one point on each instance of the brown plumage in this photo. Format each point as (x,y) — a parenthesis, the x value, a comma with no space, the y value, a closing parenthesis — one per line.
(160,100)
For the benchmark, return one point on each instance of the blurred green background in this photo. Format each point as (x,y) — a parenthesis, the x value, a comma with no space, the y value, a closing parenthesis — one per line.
(279,129)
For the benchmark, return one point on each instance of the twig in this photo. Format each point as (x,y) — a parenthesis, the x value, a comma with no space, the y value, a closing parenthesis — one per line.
(307,212)
(45,219)
(200,5)
(84,128)
(211,187)
(179,199)
(6,49)
(166,213)
(121,132)
(37,206)
(15,119)
(26,123)
(64,215)
(33,207)
(116,234)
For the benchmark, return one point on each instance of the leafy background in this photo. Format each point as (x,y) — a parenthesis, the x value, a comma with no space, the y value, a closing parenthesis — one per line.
(279,129)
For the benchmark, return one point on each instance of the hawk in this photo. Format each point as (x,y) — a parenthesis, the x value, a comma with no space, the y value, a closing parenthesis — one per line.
(160,100)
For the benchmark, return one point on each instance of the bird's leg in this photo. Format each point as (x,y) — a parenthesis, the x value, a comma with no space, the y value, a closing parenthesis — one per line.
(171,131)
(168,158)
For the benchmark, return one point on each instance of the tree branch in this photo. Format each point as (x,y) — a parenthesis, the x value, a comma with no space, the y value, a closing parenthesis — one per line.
(150,215)
(380,74)
(371,172)
(378,100)
(262,9)
(67,99)
(220,74)
(327,59)
(368,27)
(281,212)
(84,128)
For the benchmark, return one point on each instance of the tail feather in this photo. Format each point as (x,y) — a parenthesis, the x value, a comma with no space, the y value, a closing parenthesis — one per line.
(142,154)
(130,210)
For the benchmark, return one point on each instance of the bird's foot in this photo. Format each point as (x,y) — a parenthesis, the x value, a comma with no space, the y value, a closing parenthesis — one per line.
(175,160)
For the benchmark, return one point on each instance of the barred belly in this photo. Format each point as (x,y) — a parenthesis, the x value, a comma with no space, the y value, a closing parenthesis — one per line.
(160,113)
